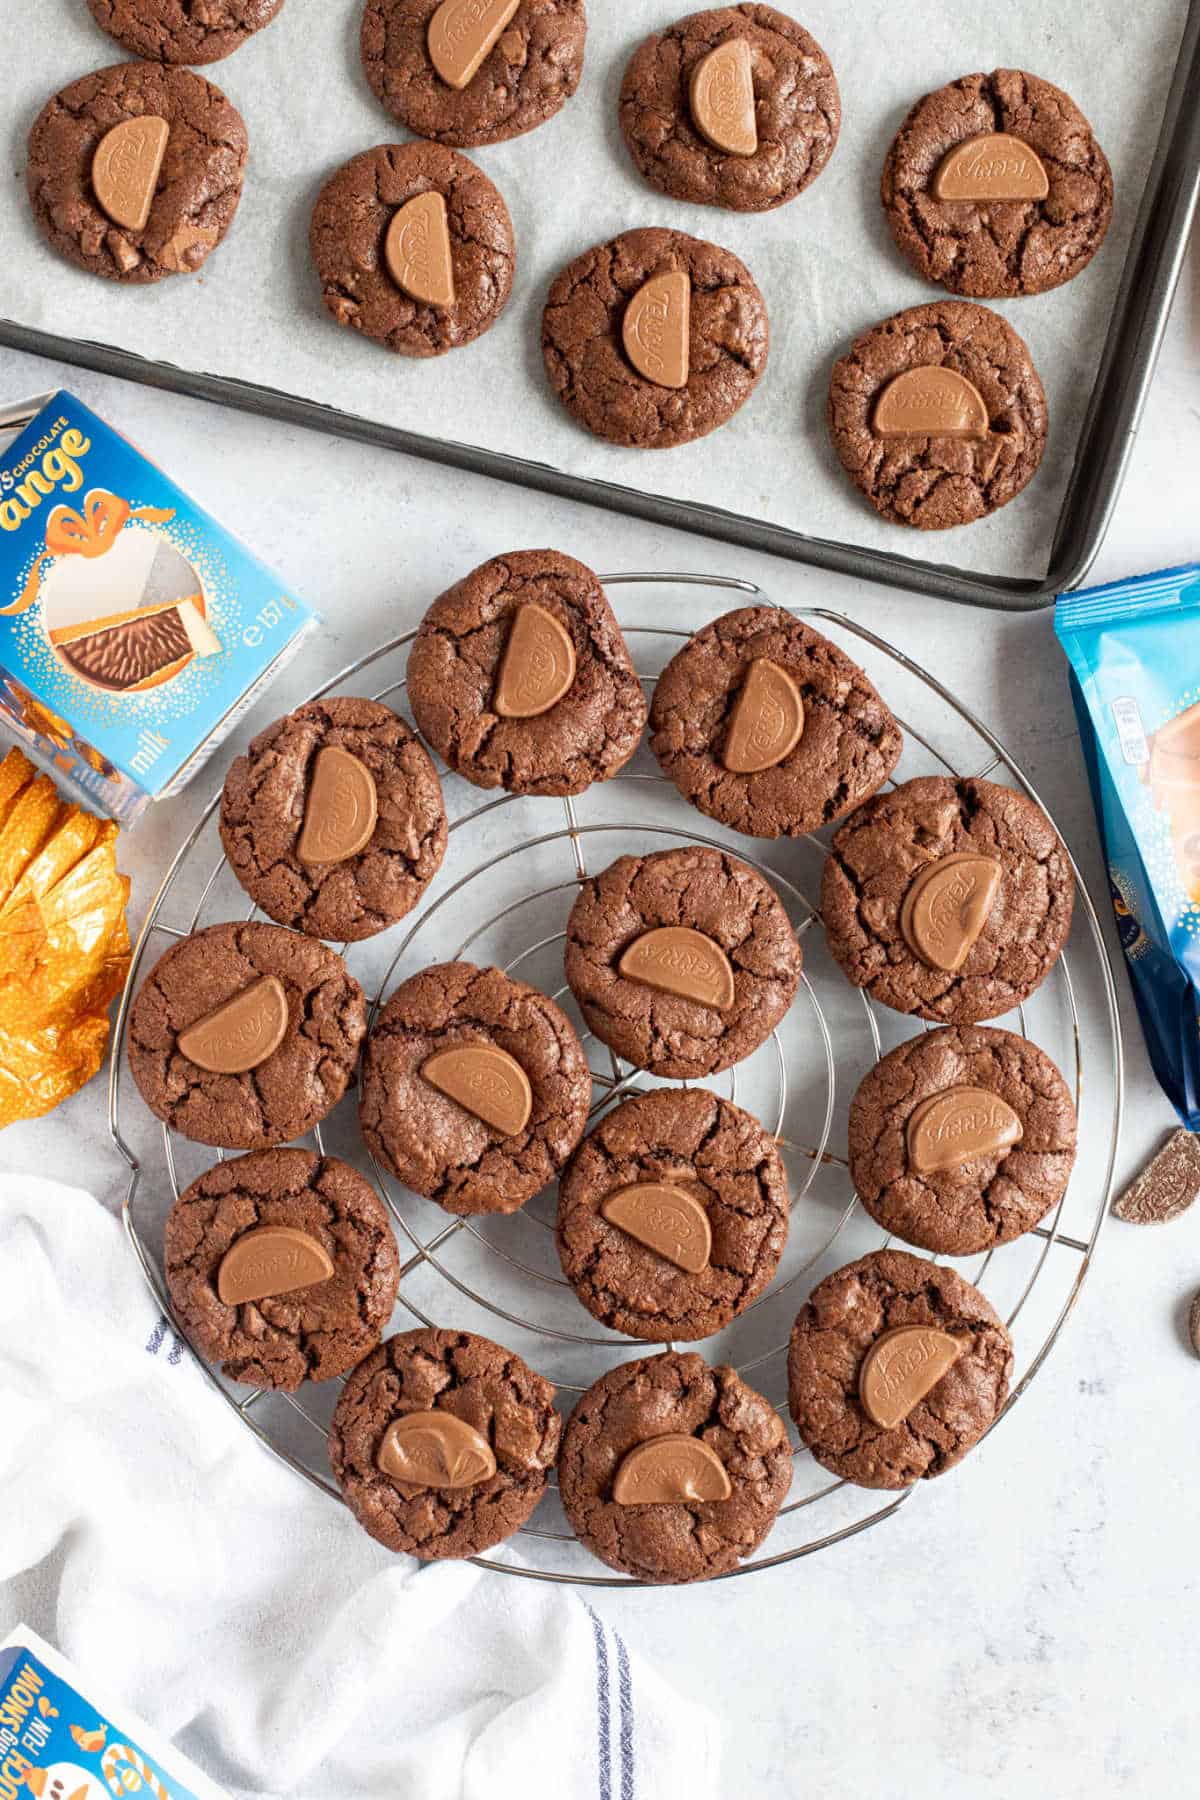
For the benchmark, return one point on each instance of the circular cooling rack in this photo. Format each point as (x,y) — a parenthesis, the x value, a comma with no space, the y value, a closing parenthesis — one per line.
(511,873)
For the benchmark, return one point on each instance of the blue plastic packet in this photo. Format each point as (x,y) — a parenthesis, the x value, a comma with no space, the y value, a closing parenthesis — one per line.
(1134,650)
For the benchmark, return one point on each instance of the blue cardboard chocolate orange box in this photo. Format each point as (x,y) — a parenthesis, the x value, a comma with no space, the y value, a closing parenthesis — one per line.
(134,629)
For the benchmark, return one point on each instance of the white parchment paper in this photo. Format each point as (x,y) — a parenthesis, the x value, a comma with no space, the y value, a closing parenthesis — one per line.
(825,263)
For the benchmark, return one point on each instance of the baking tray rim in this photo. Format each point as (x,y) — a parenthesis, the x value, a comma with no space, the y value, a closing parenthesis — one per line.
(1136,327)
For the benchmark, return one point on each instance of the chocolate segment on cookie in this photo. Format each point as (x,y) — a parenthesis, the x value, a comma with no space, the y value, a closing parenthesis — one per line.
(672,1215)
(962,1139)
(938,415)
(333,820)
(995,186)
(764,724)
(715,915)
(473,71)
(736,107)
(228,1100)
(475,1088)
(488,677)
(991,937)
(281,1267)
(135,172)
(673,1471)
(883,1409)
(181,31)
(443,1442)
(614,346)
(413,247)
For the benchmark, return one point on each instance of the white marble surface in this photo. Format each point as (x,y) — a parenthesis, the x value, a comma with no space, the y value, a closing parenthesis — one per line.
(1024,1628)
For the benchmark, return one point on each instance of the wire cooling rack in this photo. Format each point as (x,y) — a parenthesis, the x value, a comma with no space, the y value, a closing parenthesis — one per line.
(511,873)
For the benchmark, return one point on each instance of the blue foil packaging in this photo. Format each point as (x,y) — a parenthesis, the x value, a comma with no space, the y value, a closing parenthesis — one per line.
(1134,650)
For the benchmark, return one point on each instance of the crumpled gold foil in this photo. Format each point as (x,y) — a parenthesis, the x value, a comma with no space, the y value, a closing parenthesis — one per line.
(64,941)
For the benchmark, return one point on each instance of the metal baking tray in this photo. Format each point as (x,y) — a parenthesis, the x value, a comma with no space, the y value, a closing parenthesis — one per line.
(1135,330)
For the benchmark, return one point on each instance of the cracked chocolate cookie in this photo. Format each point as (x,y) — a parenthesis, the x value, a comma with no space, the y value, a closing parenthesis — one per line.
(443,1442)
(995,186)
(245,1036)
(519,677)
(737,106)
(683,961)
(948,899)
(180,31)
(477,78)
(414,248)
(654,338)
(764,724)
(962,1139)
(672,1470)
(135,172)
(938,415)
(883,1409)
(281,1267)
(672,1215)
(333,820)
(475,1089)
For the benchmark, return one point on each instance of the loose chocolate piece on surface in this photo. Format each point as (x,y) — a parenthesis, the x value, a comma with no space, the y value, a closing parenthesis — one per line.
(900,1368)
(656,329)
(125,169)
(436,1450)
(668,1469)
(241,1034)
(462,33)
(677,960)
(271,1260)
(721,98)
(767,722)
(1167,1185)
(994,166)
(947,906)
(931,401)
(666,1218)
(487,1081)
(954,1127)
(342,809)
(417,250)
(1194,1324)
(538,666)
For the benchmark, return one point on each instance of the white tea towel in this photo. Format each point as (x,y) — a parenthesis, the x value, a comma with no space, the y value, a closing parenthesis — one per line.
(145,1533)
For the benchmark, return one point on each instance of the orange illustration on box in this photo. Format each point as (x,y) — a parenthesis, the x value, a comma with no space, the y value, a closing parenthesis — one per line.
(123,610)
(1173,777)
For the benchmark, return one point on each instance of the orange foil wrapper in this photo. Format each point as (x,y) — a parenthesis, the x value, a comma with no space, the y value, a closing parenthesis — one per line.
(64,942)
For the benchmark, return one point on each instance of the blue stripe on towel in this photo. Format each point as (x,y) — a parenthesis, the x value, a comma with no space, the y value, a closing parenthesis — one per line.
(625,1691)
(603,1707)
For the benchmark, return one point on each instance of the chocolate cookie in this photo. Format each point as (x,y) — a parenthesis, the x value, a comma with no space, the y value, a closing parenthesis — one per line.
(442,1443)
(910,1409)
(475,1089)
(281,1267)
(948,899)
(672,1215)
(333,820)
(995,186)
(425,64)
(246,1035)
(938,415)
(764,724)
(737,106)
(709,1454)
(962,1139)
(414,248)
(654,338)
(178,31)
(135,172)
(683,961)
(519,677)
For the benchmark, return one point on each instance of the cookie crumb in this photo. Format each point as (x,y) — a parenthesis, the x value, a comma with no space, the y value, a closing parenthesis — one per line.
(1166,1186)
